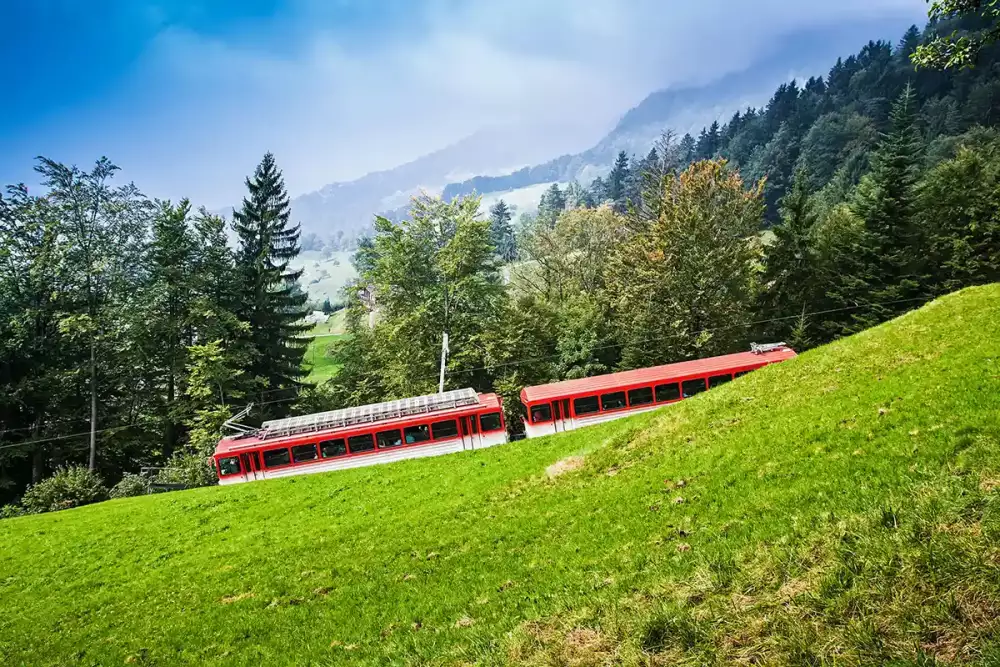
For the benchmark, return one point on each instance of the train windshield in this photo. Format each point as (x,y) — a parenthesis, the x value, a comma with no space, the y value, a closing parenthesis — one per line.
(229,466)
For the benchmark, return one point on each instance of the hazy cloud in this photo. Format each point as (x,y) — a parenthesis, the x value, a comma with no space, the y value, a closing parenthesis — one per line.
(197,111)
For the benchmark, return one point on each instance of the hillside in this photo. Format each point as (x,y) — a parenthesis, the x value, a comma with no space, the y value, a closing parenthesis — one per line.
(844,505)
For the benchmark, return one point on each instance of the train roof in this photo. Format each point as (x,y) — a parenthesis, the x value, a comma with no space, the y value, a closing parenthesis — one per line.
(377,415)
(641,376)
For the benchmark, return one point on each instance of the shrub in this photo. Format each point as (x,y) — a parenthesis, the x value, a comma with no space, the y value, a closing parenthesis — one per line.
(131,485)
(188,468)
(68,487)
(10,511)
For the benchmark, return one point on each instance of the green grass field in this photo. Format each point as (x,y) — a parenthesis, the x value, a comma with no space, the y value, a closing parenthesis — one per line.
(843,507)
(322,367)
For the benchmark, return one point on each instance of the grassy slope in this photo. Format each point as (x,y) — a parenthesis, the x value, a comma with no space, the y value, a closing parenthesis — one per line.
(841,505)
(320,366)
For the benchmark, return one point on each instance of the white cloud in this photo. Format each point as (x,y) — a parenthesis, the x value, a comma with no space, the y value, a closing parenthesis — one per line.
(199,112)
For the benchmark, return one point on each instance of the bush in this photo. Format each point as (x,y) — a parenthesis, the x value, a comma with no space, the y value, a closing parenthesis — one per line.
(10,511)
(188,468)
(68,487)
(130,486)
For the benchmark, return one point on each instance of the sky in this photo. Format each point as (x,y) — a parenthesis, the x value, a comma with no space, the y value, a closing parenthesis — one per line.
(186,97)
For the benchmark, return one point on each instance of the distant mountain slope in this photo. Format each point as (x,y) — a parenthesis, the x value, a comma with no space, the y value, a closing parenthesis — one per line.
(508,158)
(689,108)
(348,206)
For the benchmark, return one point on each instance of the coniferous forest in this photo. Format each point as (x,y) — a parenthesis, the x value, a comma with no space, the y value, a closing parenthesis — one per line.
(131,328)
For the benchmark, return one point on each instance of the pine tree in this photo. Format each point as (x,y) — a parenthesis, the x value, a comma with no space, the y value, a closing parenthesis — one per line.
(686,150)
(790,277)
(890,256)
(552,204)
(501,233)
(171,297)
(617,182)
(269,303)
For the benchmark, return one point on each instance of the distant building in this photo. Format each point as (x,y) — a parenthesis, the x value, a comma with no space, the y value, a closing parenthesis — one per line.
(367,297)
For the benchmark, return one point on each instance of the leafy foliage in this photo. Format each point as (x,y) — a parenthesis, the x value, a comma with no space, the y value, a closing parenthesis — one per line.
(68,487)
(131,485)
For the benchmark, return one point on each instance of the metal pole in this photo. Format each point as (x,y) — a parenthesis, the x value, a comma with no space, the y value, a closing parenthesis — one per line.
(444,358)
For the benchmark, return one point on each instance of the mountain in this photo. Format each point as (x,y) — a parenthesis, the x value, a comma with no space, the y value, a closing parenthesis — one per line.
(689,108)
(496,150)
(505,158)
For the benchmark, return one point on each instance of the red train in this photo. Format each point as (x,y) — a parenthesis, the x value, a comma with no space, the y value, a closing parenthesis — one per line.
(452,421)
(462,419)
(570,404)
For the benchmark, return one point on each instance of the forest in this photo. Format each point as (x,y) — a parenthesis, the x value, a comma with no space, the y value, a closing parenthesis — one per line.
(130,328)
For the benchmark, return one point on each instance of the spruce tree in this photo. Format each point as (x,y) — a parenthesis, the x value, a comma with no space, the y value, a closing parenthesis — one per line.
(890,256)
(171,298)
(552,204)
(501,234)
(270,305)
(618,181)
(790,276)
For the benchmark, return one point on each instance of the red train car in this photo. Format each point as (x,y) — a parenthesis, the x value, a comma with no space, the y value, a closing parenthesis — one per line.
(563,406)
(431,425)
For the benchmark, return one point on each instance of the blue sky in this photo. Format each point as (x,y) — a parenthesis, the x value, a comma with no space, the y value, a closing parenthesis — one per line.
(186,96)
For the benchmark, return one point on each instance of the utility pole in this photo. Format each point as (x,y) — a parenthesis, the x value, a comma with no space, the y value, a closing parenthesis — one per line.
(444,359)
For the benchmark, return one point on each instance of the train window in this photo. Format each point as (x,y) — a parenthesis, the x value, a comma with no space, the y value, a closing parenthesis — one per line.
(490,422)
(302,453)
(668,392)
(361,443)
(331,448)
(415,434)
(541,413)
(613,401)
(692,387)
(275,458)
(642,396)
(742,373)
(586,406)
(387,439)
(229,466)
(719,380)
(445,429)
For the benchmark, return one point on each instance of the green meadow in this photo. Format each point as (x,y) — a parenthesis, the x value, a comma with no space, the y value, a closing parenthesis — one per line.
(842,507)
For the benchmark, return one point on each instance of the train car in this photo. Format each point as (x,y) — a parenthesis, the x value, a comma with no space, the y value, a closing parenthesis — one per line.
(444,423)
(571,404)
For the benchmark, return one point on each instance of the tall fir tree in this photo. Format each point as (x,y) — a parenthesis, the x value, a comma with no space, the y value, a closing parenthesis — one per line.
(888,266)
(618,183)
(269,304)
(552,204)
(791,274)
(171,297)
(501,233)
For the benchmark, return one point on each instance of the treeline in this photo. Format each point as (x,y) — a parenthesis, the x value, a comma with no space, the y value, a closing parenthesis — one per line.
(129,328)
(839,205)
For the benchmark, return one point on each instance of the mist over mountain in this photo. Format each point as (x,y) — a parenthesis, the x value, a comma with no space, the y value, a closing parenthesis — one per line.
(504,158)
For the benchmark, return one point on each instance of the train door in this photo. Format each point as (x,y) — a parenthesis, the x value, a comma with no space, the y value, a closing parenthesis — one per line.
(560,415)
(466,434)
(251,466)
(477,437)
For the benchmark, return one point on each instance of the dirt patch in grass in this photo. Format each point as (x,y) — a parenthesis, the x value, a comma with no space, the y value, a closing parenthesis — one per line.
(568,464)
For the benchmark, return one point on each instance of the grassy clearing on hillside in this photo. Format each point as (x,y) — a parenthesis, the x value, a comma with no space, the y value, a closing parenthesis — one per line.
(840,507)
(322,367)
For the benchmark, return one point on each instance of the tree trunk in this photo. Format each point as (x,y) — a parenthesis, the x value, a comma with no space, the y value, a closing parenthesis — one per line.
(93,404)
(171,430)
(37,461)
